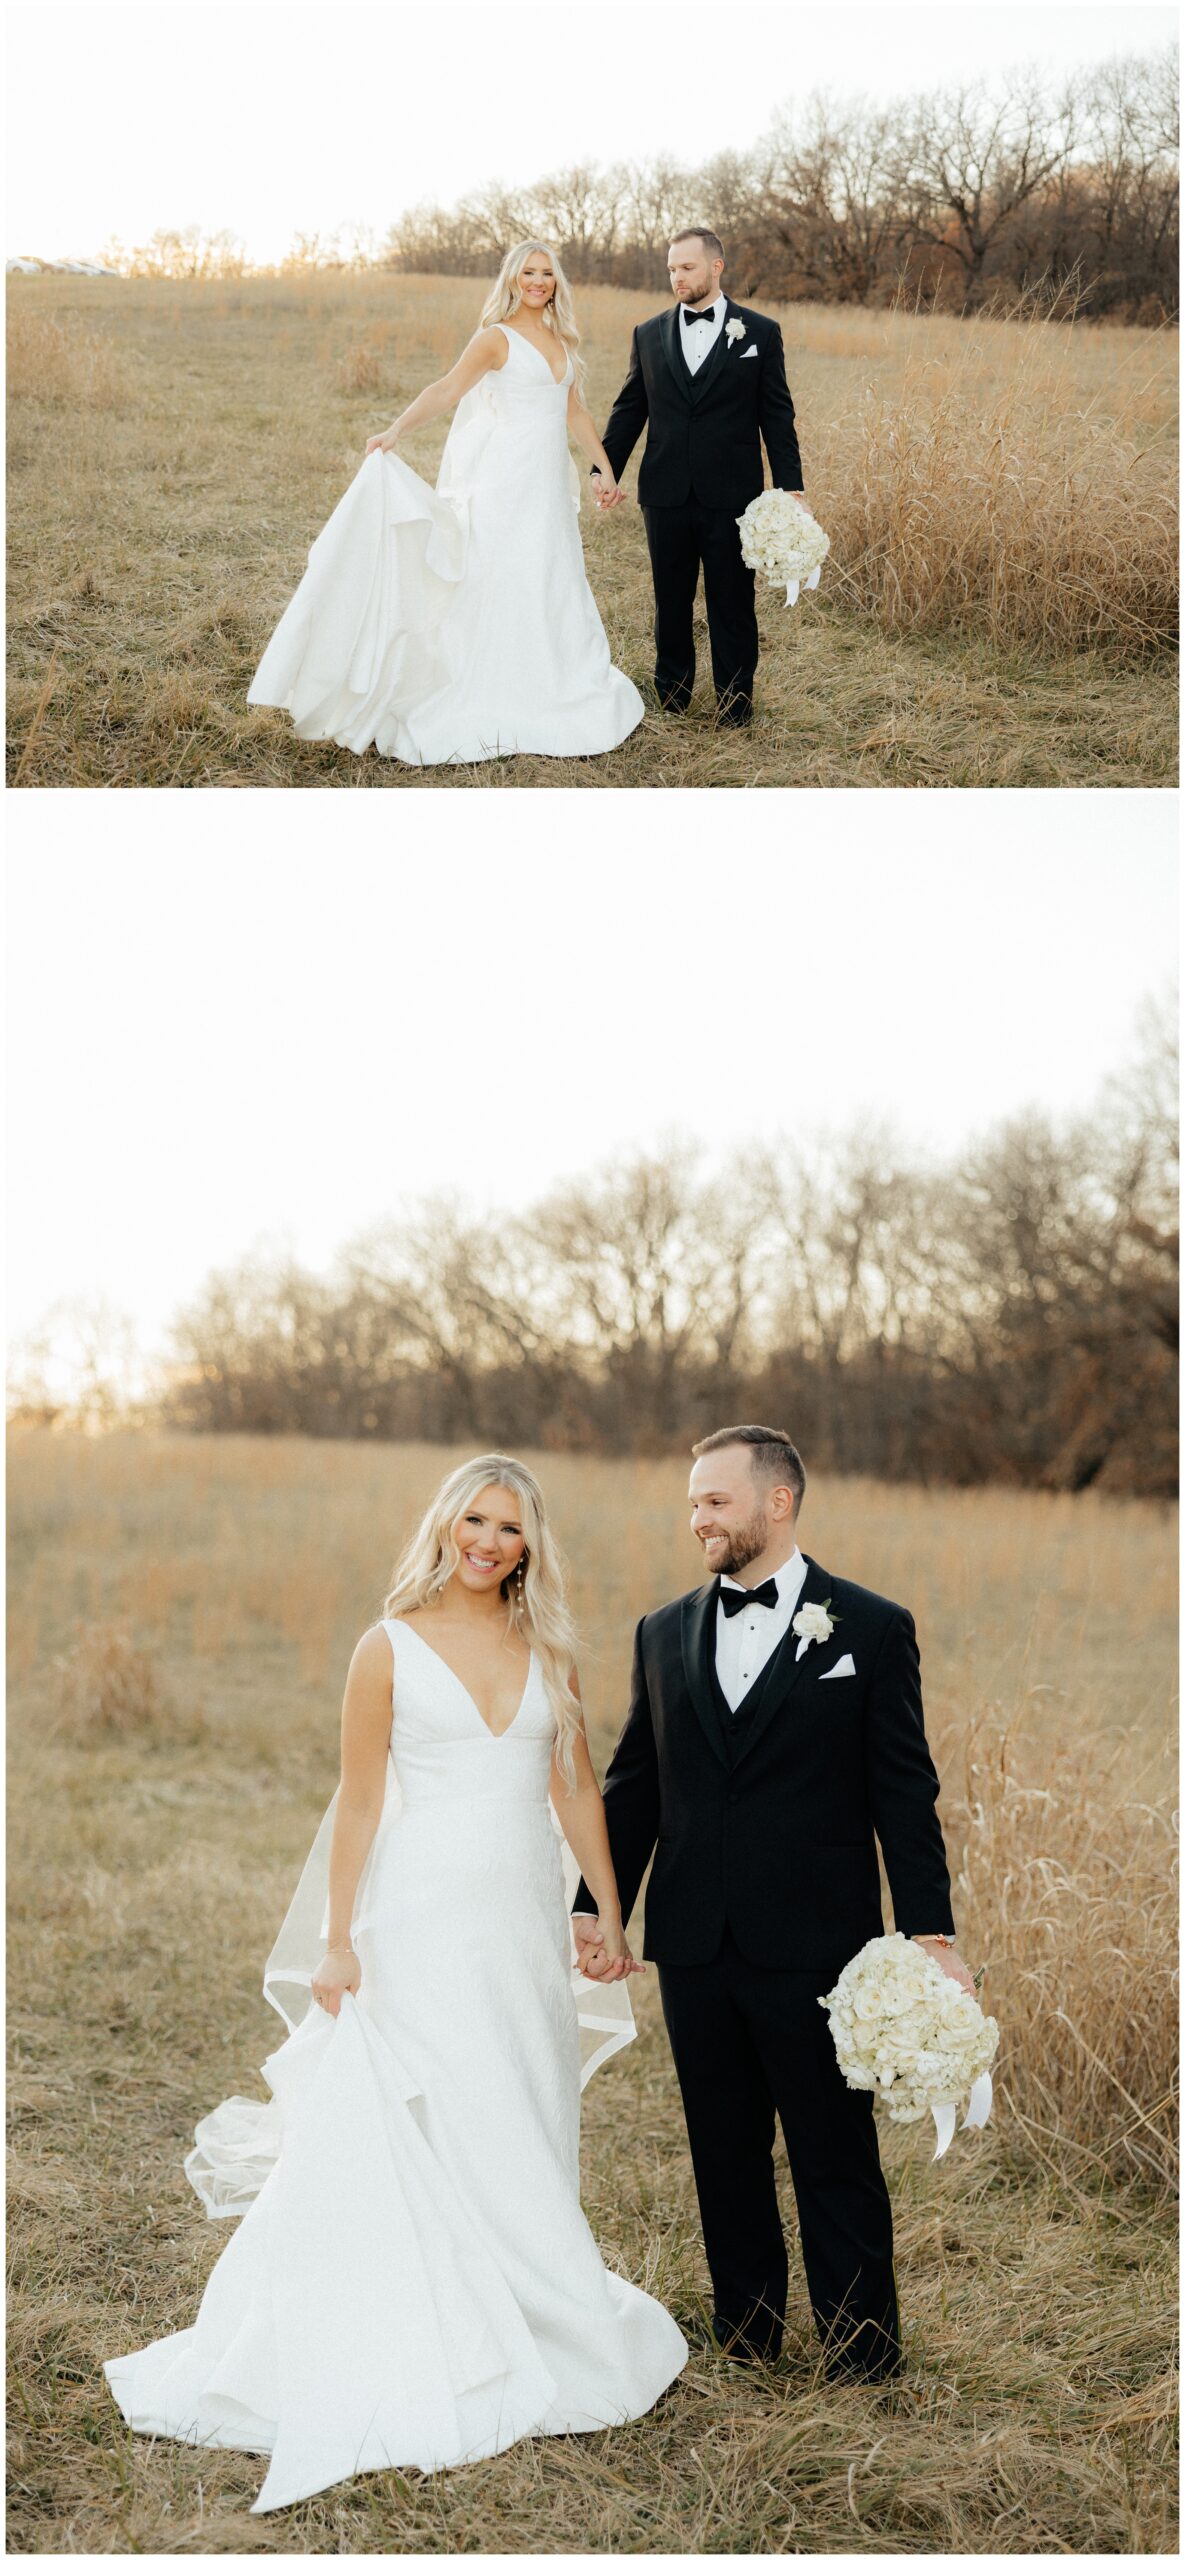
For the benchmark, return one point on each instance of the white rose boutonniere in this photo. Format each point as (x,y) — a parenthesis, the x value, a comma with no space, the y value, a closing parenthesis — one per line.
(734,330)
(813,1625)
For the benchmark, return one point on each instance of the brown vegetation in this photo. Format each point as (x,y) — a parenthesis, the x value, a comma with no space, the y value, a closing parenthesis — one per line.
(996,608)
(970,195)
(1009,1315)
(106,1684)
(1036,2262)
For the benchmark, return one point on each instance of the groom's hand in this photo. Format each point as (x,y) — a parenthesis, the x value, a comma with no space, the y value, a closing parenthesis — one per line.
(950,1962)
(594,1959)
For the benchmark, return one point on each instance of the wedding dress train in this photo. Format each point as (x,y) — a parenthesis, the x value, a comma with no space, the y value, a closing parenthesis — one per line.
(414,2282)
(452,625)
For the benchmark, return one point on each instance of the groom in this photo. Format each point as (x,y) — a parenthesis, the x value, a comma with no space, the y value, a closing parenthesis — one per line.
(707,380)
(774,1735)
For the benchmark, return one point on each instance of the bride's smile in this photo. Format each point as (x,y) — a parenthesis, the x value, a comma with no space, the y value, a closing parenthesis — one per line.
(537,282)
(487,1550)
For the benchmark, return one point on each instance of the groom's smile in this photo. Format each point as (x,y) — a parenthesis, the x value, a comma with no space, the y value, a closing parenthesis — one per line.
(736,1525)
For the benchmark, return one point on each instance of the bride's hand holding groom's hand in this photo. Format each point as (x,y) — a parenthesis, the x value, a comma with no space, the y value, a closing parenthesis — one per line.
(602,1949)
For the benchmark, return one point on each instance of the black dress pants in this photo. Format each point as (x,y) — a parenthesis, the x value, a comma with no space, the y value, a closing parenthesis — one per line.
(749,2046)
(682,539)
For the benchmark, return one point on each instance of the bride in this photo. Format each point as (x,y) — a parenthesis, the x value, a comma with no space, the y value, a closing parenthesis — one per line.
(414,2282)
(451,625)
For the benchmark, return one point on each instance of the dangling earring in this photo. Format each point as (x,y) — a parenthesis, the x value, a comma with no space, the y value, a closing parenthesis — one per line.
(519,1578)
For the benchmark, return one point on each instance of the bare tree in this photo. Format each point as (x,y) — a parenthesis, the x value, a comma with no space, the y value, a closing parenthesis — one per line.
(79,1366)
(832,198)
(650,1274)
(974,158)
(580,209)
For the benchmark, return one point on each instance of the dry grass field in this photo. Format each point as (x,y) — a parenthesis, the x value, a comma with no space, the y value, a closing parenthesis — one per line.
(998,608)
(181,1612)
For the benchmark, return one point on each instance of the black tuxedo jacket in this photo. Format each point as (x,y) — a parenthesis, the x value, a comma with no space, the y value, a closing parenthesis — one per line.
(704,430)
(768,1823)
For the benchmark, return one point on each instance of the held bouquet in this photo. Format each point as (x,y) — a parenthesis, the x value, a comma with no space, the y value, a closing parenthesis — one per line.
(781,539)
(903,2029)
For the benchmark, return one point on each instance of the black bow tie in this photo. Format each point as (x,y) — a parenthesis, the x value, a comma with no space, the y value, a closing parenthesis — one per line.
(765,1597)
(690,316)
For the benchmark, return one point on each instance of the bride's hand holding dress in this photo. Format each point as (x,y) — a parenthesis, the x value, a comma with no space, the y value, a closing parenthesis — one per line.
(338,1972)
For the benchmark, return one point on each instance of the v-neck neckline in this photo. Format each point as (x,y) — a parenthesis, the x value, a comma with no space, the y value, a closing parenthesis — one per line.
(500,1736)
(559,379)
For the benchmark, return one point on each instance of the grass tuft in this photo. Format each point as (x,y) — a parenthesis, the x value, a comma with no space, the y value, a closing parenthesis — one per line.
(106,1685)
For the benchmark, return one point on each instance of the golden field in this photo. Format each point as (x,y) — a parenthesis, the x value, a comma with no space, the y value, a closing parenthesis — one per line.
(998,607)
(181,1614)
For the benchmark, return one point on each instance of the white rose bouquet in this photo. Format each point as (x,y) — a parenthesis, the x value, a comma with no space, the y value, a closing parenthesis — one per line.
(903,2029)
(781,540)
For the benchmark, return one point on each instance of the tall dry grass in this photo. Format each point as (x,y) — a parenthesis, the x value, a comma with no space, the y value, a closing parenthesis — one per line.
(148,1869)
(55,361)
(997,607)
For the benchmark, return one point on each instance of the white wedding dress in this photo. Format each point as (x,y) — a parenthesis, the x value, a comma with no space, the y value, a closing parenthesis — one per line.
(414,2282)
(451,625)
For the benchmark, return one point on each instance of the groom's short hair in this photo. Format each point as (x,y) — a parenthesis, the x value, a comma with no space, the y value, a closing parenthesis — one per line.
(695,231)
(773,1455)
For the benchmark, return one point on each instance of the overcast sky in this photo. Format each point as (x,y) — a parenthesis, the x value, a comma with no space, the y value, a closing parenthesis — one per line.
(267,119)
(224,1033)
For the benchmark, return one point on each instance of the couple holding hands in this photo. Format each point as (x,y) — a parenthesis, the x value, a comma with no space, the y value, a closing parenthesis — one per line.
(413,2282)
(454,624)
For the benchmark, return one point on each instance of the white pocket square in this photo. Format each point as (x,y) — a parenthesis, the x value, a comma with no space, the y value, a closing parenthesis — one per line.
(747,352)
(844,1669)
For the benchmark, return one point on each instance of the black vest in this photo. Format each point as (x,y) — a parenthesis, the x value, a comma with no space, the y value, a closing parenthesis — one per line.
(733,1721)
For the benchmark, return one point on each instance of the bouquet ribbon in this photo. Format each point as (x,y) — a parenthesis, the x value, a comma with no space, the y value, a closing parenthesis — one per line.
(792,590)
(979,2108)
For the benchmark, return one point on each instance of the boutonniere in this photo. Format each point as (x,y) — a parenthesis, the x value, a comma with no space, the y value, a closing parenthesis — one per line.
(813,1625)
(734,330)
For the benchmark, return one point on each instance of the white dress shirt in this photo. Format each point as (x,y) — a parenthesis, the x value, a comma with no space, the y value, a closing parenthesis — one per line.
(699,337)
(745,1642)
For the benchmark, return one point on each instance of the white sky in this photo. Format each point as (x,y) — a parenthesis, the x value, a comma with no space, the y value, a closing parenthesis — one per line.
(259,1022)
(267,119)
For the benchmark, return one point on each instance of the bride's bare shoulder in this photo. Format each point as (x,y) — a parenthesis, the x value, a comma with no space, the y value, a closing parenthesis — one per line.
(489,344)
(370,1662)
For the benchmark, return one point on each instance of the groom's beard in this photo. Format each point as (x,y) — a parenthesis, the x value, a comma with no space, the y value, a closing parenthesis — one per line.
(744,1546)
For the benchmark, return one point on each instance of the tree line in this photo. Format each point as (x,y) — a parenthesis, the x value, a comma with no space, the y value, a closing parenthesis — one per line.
(1009,1315)
(969,197)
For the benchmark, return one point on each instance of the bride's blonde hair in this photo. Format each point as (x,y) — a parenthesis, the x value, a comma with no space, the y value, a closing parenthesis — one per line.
(559,314)
(536,1604)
